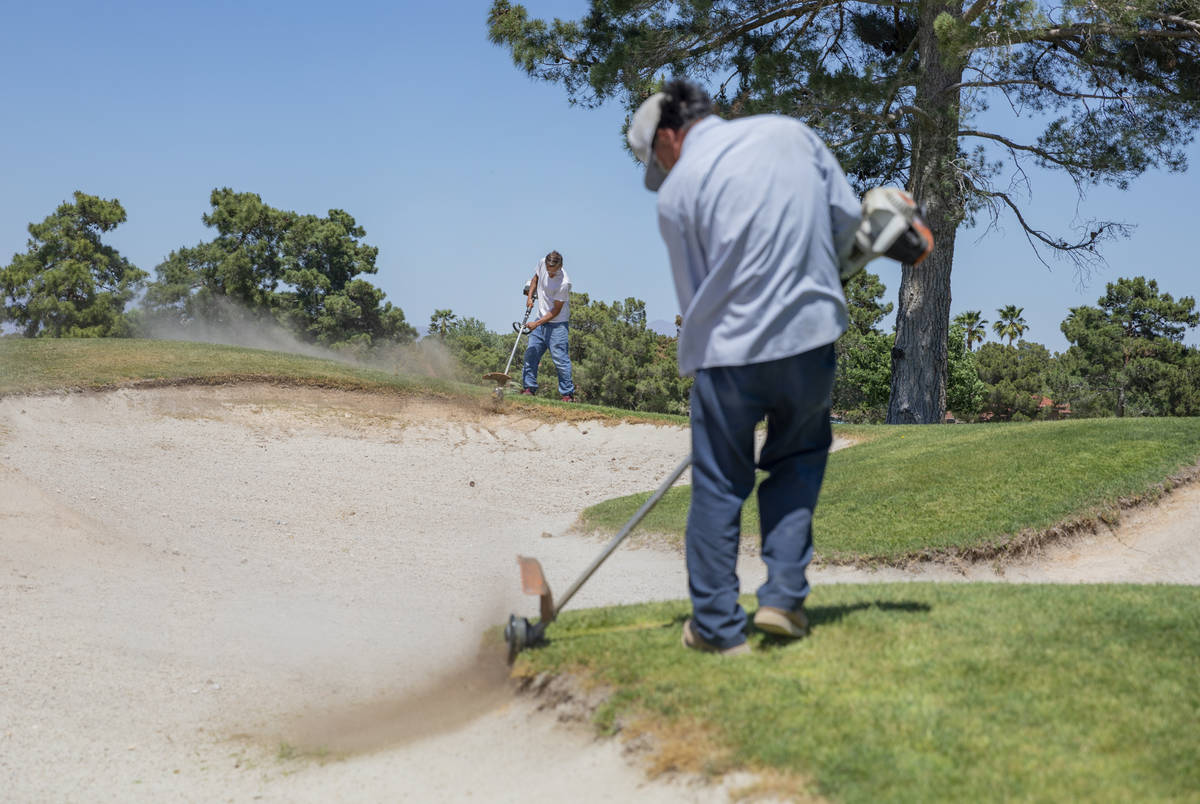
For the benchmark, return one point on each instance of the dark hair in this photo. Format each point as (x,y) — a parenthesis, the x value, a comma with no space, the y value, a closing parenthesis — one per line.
(554,258)
(685,102)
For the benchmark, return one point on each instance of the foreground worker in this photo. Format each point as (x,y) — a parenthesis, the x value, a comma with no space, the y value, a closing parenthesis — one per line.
(755,213)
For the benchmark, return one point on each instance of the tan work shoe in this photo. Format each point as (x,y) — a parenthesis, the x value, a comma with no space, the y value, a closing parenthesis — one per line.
(691,640)
(781,622)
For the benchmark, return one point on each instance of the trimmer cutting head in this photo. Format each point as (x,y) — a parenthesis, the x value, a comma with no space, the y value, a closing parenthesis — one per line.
(520,633)
(501,378)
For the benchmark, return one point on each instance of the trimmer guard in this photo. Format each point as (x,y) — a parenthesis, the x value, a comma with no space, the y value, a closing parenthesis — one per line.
(533,582)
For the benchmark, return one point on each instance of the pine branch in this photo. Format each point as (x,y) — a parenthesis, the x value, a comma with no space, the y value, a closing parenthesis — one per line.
(774,14)
(1040,153)
(1082,253)
(1086,30)
(1051,88)
(1174,18)
(901,73)
(804,27)
(866,135)
(718,38)
(972,13)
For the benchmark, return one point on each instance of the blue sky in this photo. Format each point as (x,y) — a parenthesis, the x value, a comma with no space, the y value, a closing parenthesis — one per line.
(462,170)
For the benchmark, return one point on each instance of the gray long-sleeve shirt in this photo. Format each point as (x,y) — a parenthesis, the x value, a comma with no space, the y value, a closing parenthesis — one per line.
(754,215)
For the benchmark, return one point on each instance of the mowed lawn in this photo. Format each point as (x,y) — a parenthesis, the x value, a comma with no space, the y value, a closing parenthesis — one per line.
(963,490)
(920,692)
(935,692)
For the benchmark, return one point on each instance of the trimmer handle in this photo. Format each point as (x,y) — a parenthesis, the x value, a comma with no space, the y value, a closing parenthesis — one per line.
(521,328)
(525,290)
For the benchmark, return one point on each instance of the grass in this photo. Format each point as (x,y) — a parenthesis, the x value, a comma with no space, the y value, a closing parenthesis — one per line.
(925,692)
(41,365)
(909,491)
(31,366)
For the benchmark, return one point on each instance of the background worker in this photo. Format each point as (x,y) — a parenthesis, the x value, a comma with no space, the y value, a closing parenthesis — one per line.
(549,330)
(754,213)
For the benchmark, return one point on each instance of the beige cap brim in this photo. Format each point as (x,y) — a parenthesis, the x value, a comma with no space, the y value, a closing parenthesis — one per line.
(640,135)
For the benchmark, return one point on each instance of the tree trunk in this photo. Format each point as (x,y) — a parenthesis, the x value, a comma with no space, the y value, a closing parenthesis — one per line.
(1122,379)
(923,314)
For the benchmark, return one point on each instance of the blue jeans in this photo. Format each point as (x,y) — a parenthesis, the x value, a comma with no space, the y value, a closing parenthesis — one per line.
(554,336)
(727,403)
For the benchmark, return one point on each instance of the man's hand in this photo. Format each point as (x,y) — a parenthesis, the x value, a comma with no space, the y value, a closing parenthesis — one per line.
(528,303)
(531,326)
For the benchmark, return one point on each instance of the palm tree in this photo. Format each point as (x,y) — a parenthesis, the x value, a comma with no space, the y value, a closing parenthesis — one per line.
(440,321)
(974,326)
(1011,325)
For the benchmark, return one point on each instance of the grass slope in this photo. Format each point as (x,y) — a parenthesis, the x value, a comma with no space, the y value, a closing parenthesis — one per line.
(44,364)
(40,365)
(926,692)
(909,491)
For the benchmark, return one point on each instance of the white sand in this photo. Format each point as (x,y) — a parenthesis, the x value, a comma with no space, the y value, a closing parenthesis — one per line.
(198,583)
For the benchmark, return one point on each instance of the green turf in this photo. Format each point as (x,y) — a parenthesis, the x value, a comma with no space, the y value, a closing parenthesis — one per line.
(930,692)
(44,364)
(52,364)
(908,490)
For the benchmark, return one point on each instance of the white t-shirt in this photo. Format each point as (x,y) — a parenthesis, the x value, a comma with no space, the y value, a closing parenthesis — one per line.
(552,289)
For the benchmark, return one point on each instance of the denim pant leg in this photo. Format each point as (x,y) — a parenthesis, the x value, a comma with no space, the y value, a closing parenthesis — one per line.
(558,353)
(794,455)
(723,422)
(533,356)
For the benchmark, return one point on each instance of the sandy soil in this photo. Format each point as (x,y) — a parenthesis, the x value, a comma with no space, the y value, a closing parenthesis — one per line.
(206,589)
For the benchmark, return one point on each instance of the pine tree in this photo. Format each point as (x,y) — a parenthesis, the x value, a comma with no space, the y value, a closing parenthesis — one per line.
(1130,348)
(302,271)
(69,283)
(897,91)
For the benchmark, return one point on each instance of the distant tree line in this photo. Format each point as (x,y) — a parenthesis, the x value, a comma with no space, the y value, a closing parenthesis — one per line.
(302,272)
(1126,358)
(305,273)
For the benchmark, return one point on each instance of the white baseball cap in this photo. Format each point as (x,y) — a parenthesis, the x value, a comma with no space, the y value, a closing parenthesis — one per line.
(641,138)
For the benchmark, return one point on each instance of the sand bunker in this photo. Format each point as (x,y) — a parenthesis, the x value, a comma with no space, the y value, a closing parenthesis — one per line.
(207,589)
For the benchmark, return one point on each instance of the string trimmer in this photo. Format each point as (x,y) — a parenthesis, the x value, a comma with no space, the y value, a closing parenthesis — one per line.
(501,378)
(520,633)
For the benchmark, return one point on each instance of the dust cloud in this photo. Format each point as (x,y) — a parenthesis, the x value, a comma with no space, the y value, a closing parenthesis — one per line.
(448,698)
(460,694)
(243,327)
